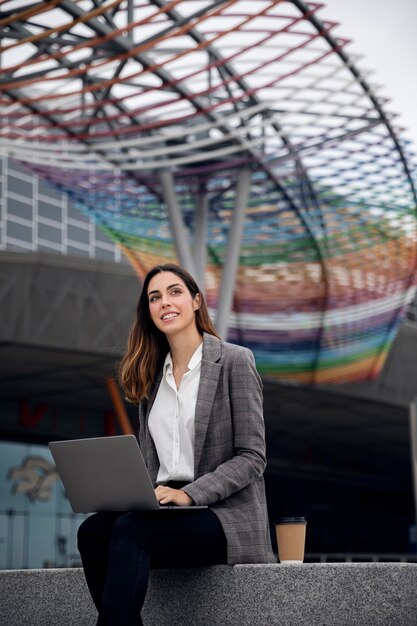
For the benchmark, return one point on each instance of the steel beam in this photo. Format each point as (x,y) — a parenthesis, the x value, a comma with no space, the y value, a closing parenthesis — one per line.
(200,238)
(231,261)
(178,228)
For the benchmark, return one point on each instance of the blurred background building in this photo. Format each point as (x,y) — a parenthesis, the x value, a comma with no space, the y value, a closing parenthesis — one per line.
(299,198)
(61,277)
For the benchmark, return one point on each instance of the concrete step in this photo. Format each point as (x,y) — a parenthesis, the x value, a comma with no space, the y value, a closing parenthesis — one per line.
(316,594)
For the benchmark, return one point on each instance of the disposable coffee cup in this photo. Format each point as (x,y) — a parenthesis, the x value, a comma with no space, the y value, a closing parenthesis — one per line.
(291,537)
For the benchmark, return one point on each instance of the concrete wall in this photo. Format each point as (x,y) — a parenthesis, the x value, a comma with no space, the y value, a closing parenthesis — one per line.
(243,595)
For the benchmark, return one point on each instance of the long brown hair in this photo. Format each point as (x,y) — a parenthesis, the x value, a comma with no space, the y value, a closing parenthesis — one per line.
(147,346)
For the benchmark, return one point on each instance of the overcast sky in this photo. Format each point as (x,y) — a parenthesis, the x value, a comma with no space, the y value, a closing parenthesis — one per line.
(384,31)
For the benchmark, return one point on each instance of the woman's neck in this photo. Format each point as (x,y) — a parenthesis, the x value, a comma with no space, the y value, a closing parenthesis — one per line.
(182,348)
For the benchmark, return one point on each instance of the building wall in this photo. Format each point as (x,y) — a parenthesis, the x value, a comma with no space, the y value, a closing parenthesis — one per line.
(37,527)
(34,217)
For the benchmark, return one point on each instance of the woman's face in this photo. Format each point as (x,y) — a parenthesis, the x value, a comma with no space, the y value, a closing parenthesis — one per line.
(171,306)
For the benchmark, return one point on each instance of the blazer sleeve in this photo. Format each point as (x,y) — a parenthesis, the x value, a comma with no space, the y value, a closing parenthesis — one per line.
(249,459)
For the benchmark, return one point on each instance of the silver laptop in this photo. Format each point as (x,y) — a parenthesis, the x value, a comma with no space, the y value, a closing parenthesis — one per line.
(106,474)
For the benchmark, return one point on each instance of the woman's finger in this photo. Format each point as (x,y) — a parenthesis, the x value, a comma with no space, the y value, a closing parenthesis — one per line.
(165,494)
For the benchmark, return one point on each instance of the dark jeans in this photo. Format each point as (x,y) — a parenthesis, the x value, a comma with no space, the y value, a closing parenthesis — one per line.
(118,549)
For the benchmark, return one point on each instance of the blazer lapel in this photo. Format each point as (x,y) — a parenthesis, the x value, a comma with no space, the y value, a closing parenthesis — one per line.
(209,379)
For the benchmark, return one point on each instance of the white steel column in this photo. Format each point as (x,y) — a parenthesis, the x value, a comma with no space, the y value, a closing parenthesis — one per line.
(175,219)
(231,261)
(200,238)
(413,441)
(3,203)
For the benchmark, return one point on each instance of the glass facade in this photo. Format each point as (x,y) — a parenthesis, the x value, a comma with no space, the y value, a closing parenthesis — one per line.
(37,526)
(34,216)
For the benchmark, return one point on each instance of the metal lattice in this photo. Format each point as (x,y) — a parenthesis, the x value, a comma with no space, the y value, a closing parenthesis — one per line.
(103,99)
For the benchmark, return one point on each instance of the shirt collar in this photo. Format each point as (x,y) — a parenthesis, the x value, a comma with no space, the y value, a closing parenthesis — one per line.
(196,358)
(193,362)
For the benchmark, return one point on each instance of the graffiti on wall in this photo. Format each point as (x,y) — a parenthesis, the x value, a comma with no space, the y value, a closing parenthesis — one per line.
(35,478)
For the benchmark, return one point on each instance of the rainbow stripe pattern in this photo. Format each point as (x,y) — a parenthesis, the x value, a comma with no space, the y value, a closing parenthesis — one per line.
(100,98)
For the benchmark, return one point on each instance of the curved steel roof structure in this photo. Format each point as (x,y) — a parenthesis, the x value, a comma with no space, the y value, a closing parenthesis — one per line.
(239,138)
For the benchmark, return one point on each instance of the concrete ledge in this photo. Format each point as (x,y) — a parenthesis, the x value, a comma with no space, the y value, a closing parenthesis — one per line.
(316,594)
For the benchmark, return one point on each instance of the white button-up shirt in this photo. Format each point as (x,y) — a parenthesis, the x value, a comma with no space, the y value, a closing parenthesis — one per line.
(171,421)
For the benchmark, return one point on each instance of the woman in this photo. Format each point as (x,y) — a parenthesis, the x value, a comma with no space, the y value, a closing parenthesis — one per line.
(201,431)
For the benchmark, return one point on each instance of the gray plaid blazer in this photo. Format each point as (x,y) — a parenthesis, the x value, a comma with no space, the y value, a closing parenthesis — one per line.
(229,448)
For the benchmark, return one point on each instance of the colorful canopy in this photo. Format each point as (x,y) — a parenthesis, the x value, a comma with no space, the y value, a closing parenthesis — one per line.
(100,98)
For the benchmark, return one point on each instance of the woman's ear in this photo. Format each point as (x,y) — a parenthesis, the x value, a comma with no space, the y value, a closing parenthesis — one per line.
(196,302)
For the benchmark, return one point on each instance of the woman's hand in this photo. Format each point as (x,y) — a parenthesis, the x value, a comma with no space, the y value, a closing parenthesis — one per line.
(166,495)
